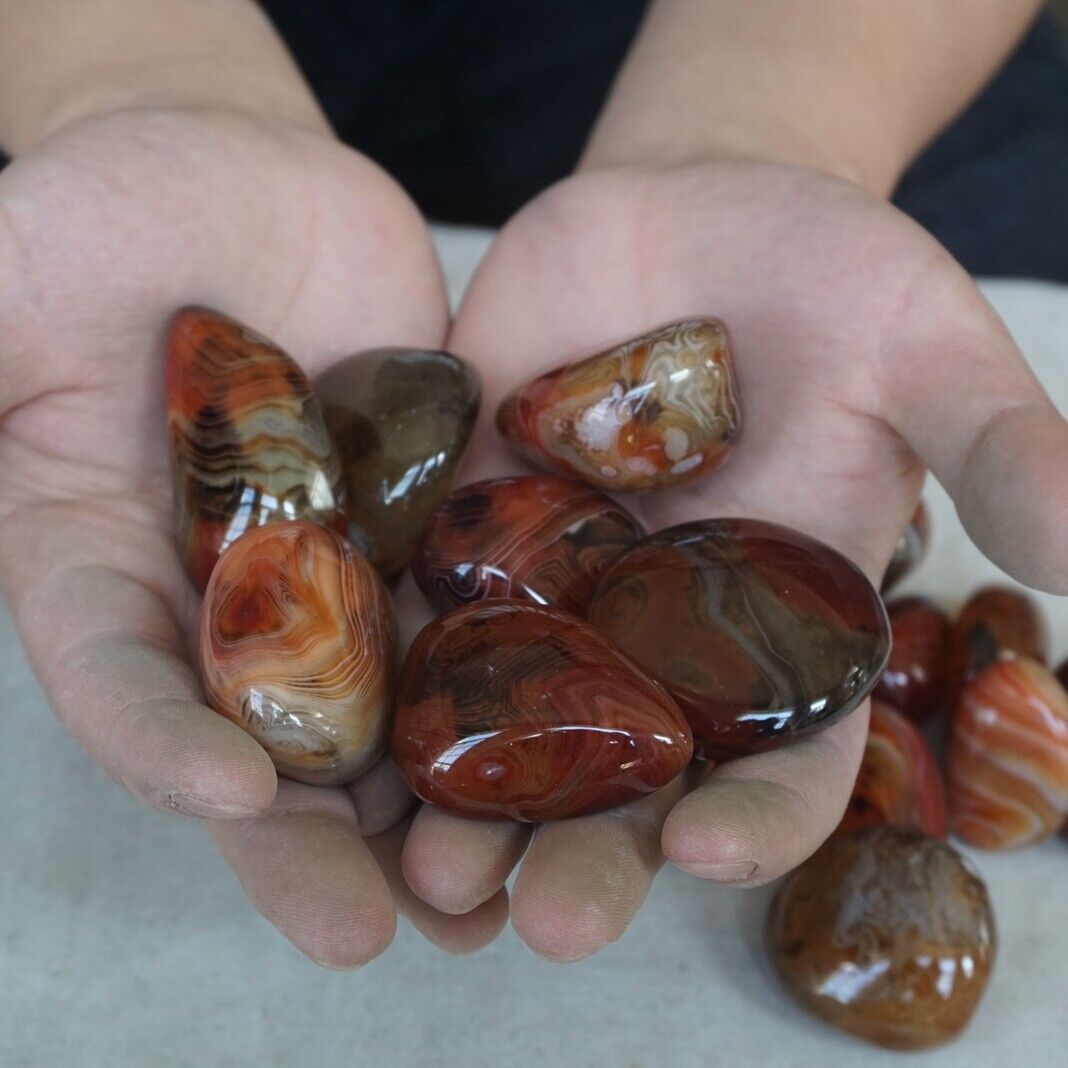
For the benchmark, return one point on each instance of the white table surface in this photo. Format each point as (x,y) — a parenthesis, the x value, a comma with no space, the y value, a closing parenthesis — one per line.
(124,939)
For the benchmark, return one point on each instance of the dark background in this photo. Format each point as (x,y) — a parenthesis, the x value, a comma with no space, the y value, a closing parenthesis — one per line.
(477,105)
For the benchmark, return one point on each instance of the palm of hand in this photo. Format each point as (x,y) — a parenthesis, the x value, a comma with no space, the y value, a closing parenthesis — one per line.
(859,343)
(109,228)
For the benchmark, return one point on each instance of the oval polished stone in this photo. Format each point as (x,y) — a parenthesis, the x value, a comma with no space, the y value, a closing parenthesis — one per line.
(514,710)
(759,632)
(248,441)
(537,536)
(914,680)
(657,411)
(296,645)
(1007,765)
(886,934)
(911,549)
(899,782)
(996,623)
(401,420)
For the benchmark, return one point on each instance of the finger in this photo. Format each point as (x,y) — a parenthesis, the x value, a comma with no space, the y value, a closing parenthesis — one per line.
(455,934)
(305,867)
(381,798)
(111,655)
(583,880)
(991,435)
(456,864)
(755,818)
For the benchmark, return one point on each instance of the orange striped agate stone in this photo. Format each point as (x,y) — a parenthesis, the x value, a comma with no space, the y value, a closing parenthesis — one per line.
(899,782)
(296,645)
(514,710)
(656,411)
(248,442)
(1007,767)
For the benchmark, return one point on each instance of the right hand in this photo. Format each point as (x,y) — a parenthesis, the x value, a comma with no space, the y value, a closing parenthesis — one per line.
(106,228)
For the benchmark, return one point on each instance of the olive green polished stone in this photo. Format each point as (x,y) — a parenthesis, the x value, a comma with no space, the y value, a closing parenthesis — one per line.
(401,419)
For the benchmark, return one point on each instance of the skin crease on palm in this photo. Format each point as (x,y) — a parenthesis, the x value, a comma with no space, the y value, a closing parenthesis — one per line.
(860,347)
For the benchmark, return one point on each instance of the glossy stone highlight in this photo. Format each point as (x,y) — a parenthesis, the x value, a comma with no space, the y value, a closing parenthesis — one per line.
(401,420)
(657,411)
(248,441)
(911,549)
(914,680)
(539,537)
(514,710)
(899,782)
(886,934)
(759,632)
(996,623)
(1007,766)
(296,645)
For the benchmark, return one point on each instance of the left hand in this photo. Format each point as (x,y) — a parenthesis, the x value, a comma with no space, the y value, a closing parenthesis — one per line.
(863,352)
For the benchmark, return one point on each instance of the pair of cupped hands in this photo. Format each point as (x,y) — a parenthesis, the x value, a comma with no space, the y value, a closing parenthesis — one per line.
(864,353)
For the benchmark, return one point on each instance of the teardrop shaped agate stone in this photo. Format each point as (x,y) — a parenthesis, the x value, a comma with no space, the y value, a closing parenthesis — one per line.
(248,441)
(515,710)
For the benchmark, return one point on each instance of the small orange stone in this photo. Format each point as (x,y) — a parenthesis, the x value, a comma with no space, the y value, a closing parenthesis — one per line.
(1007,767)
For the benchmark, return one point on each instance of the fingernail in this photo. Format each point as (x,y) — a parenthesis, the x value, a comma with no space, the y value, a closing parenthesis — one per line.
(188,805)
(737,871)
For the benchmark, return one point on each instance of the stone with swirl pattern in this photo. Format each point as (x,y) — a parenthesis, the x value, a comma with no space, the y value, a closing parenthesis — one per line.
(1007,765)
(996,623)
(401,419)
(914,680)
(537,536)
(296,645)
(886,934)
(911,549)
(899,782)
(656,411)
(248,441)
(759,632)
(513,710)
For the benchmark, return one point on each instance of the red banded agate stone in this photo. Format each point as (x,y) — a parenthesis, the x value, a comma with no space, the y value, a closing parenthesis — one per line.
(996,623)
(538,537)
(248,441)
(1007,766)
(760,633)
(296,645)
(657,411)
(914,680)
(514,710)
(899,782)
(886,934)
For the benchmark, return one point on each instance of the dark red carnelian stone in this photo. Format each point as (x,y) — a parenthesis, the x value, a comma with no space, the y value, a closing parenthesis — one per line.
(514,710)
(539,537)
(914,680)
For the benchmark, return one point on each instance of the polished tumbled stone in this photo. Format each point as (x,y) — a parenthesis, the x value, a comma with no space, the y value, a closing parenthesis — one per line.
(759,632)
(401,419)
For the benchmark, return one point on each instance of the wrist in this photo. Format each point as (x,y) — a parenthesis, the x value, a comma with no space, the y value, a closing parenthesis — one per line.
(646,139)
(57,64)
(853,88)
